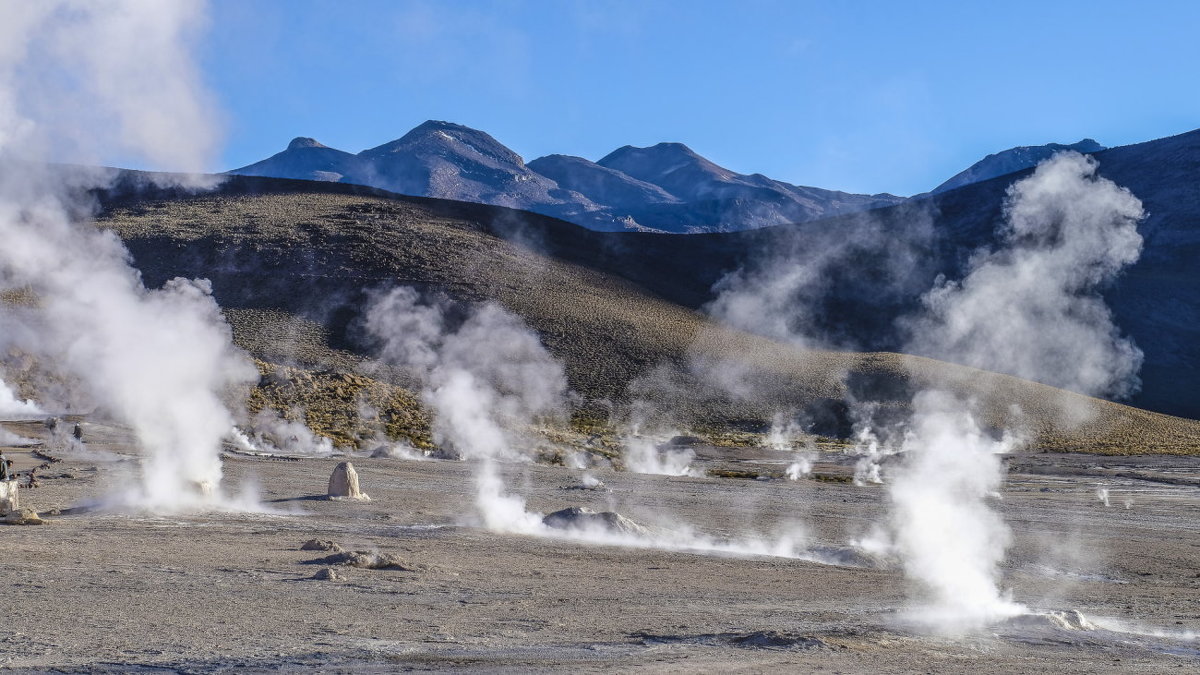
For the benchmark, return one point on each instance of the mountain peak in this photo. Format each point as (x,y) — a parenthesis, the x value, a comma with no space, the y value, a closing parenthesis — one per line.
(441,125)
(445,131)
(598,183)
(1012,160)
(663,150)
(436,137)
(304,142)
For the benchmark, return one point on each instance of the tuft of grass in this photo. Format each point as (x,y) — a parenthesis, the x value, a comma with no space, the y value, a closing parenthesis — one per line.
(733,473)
(332,403)
(830,478)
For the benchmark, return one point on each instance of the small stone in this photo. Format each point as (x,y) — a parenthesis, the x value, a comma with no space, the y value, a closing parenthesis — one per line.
(1069,619)
(327,574)
(320,545)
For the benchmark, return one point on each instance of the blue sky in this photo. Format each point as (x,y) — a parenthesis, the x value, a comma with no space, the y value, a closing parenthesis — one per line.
(860,96)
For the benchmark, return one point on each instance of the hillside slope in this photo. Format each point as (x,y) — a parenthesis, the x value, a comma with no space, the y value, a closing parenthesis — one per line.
(283,254)
(1156,301)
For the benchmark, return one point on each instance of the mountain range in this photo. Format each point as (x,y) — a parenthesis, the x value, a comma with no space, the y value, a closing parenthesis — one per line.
(662,188)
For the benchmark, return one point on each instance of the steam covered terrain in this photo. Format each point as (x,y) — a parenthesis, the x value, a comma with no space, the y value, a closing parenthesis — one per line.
(546,423)
(575,450)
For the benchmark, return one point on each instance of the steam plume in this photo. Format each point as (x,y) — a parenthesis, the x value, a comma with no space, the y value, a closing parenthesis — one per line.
(810,287)
(88,82)
(1031,308)
(486,381)
(642,454)
(11,405)
(949,538)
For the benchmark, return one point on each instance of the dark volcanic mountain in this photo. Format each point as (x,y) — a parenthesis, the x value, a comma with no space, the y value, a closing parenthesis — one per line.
(600,183)
(1011,160)
(445,161)
(665,188)
(307,159)
(724,199)
(450,161)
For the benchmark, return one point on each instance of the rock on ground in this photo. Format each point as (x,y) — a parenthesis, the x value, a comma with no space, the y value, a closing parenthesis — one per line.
(320,545)
(23,516)
(343,484)
(584,519)
(366,560)
(1070,619)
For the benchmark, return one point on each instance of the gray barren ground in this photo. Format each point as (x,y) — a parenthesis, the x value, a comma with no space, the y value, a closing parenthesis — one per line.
(234,591)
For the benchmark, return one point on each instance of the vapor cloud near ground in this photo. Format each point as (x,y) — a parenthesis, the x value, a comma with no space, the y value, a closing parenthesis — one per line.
(113,81)
(1030,307)
(486,379)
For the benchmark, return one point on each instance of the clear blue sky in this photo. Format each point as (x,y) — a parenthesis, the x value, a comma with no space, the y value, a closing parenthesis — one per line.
(861,96)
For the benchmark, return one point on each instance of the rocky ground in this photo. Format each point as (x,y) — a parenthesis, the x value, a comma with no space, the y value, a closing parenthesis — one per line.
(95,590)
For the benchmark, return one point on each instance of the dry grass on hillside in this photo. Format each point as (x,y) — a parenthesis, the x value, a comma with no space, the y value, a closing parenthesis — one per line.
(279,261)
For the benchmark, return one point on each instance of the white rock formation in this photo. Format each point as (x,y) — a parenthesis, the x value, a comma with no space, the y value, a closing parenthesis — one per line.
(10,501)
(343,484)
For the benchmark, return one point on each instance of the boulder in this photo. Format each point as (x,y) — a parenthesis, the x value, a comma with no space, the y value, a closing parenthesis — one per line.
(846,556)
(343,484)
(582,519)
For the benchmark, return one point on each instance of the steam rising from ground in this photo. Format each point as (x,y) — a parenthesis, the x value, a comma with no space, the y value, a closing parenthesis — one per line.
(646,454)
(10,405)
(810,288)
(270,432)
(950,539)
(1031,308)
(783,436)
(87,82)
(487,381)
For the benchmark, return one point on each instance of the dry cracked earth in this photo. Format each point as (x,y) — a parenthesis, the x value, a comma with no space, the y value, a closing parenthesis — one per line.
(232,591)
